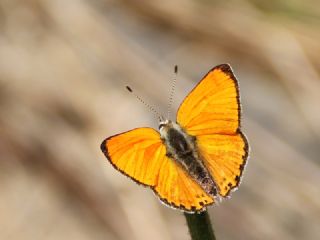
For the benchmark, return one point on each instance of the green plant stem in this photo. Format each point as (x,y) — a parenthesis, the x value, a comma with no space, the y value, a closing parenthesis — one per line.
(199,225)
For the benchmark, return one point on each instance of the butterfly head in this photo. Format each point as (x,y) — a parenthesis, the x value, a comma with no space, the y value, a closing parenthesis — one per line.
(164,124)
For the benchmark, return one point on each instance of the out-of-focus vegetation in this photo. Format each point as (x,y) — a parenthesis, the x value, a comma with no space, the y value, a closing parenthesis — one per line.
(63,68)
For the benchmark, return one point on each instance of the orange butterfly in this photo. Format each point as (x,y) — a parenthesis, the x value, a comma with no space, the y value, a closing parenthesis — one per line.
(194,161)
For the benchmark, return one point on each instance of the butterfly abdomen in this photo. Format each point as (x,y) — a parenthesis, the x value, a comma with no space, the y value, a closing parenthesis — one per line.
(181,148)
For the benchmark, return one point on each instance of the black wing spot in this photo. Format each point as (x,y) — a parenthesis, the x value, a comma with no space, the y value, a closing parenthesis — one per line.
(241,167)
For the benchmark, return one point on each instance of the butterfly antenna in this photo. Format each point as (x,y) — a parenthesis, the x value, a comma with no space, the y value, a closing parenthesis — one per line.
(160,118)
(173,85)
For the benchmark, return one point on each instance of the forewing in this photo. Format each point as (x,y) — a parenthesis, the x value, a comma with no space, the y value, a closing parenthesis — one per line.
(213,106)
(177,189)
(137,153)
(225,157)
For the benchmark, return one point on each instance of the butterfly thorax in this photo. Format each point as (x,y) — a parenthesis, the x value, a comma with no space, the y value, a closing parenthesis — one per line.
(182,148)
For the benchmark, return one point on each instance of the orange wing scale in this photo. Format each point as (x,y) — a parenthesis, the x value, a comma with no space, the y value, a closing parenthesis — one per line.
(225,157)
(213,105)
(176,188)
(137,153)
(211,113)
(141,155)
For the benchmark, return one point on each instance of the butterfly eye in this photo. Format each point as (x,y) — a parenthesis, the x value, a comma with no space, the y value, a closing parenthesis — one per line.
(161,125)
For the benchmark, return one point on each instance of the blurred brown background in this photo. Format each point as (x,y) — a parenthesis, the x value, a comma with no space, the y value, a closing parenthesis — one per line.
(63,68)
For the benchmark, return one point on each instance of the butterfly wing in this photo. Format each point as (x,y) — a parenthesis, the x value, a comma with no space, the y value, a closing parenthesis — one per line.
(137,153)
(141,155)
(211,113)
(213,106)
(177,189)
(225,157)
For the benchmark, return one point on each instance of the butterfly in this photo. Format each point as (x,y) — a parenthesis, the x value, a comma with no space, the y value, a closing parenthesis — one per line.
(198,159)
